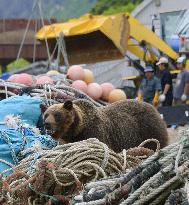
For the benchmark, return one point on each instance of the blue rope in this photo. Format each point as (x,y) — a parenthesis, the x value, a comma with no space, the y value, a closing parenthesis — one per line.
(7,139)
(36,156)
(23,144)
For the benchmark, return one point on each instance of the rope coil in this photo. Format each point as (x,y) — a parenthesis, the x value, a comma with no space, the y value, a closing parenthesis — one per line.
(66,168)
(145,184)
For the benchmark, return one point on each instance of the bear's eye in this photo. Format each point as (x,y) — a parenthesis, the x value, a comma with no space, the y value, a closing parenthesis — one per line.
(46,115)
(57,117)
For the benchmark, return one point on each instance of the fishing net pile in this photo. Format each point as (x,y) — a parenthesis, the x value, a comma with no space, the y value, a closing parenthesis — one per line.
(86,172)
(56,175)
(49,93)
(161,179)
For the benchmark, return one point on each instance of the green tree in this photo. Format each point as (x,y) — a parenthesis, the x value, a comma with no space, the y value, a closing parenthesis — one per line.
(114,6)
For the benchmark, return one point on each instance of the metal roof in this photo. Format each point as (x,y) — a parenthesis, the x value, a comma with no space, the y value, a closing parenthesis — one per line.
(141,7)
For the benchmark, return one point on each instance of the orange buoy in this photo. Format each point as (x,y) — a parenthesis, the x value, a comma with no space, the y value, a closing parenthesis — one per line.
(44,80)
(75,72)
(116,95)
(80,85)
(88,76)
(94,90)
(106,89)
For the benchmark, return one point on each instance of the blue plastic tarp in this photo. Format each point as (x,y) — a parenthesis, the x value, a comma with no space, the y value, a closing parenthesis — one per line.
(13,141)
(28,108)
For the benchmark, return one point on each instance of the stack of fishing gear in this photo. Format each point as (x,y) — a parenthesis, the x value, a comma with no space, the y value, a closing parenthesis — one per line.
(161,179)
(56,175)
(50,93)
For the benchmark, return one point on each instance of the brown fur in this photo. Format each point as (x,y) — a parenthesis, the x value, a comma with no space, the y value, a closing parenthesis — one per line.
(120,125)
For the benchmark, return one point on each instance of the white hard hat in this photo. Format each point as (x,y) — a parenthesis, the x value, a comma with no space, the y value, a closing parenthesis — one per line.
(181,59)
(162,60)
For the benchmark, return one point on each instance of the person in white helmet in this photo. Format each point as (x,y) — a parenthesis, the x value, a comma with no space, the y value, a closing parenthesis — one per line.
(166,98)
(181,91)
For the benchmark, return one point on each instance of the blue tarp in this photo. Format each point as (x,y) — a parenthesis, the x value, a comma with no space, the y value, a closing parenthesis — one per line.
(13,141)
(20,138)
(28,108)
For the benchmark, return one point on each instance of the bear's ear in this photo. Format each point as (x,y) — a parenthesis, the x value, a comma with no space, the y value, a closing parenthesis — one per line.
(68,105)
(43,108)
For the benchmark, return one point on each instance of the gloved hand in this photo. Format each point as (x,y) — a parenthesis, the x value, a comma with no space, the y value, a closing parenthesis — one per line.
(162,98)
(156,99)
(140,97)
(155,103)
(183,97)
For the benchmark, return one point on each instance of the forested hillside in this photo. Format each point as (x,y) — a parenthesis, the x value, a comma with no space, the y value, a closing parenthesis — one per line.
(114,6)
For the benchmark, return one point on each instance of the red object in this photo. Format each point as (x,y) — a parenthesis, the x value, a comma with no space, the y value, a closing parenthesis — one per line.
(183,40)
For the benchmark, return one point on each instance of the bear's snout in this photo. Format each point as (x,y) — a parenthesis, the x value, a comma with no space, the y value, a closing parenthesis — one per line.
(47,126)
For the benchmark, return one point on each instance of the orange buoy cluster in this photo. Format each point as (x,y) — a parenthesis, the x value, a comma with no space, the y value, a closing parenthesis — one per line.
(83,79)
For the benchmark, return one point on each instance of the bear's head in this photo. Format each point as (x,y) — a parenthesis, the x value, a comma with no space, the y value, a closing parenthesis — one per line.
(59,119)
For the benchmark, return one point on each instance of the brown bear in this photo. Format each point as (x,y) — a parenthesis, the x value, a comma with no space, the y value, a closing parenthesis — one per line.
(120,125)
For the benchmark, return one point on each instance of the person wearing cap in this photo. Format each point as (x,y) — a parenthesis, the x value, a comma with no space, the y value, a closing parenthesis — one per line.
(181,90)
(149,88)
(166,98)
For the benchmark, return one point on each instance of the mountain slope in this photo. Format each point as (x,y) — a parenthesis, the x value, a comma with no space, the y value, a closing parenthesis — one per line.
(61,9)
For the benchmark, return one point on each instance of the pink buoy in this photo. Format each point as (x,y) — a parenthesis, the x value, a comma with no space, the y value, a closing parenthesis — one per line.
(44,80)
(75,72)
(106,89)
(116,95)
(80,85)
(88,76)
(23,78)
(13,77)
(94,90)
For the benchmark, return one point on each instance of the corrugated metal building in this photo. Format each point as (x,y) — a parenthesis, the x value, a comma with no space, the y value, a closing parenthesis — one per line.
(11,34)
(167,12)
(148,8)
